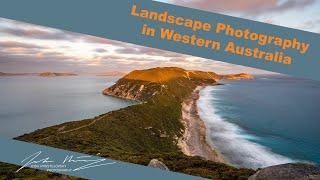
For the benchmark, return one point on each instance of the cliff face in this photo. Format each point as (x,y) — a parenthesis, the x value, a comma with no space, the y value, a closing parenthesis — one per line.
(133,89)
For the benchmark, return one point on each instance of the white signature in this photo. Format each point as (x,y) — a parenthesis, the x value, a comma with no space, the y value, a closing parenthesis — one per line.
(35,158)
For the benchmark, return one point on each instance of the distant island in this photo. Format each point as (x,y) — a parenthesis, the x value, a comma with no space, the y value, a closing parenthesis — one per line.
(44,74)
(17,74)
(111,73)
(240,76)
(54,74)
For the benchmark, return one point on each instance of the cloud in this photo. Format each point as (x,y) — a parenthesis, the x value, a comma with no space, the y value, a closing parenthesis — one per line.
(27,50)
(31,31)
(100,50)
(128,50)
(27,64)
(58,56)
(178,59)
(99,40)
(36,33)
(158,52)
(112,57)
(140,50)
(311,24)
(31,48)
(245,6)
(15,44)
(19,48)
(95,40)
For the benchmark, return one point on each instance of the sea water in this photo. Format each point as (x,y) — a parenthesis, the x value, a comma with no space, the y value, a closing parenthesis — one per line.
(28,103)
(270,120)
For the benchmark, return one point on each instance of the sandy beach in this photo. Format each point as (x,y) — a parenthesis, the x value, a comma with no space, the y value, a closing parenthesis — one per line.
(193,142)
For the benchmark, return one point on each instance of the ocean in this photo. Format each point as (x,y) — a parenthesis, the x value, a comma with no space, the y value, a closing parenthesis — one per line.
(28,103)
(273,119)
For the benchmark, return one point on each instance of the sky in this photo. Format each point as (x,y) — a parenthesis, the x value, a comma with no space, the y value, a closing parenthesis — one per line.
(298,14)
(26,48)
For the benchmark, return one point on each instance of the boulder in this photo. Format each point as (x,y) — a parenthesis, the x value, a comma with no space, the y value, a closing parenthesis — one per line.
(290,171)
(155,163)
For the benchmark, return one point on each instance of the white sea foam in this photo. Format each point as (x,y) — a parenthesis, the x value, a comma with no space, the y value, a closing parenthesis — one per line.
(232,141)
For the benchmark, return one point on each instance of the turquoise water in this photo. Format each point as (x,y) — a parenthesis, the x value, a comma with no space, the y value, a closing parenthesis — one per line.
(266,121)
(28,103)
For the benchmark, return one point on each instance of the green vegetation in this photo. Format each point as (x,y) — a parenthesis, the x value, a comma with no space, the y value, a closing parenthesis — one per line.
(7,172)
(144,131)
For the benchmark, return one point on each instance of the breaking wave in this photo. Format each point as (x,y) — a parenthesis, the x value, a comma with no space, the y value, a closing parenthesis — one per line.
(231,140)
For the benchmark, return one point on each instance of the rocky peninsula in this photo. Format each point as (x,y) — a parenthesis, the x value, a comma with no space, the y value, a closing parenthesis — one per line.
(150,129)
(143,85)
(163,125)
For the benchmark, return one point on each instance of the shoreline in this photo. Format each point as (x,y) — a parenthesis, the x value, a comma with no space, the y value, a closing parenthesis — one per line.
(194,139)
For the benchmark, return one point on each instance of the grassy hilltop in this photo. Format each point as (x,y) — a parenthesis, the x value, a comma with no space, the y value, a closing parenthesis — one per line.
(141,132)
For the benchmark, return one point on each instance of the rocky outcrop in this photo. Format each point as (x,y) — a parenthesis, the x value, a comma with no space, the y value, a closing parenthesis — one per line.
(133,89)
(155,163)
(290,171)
